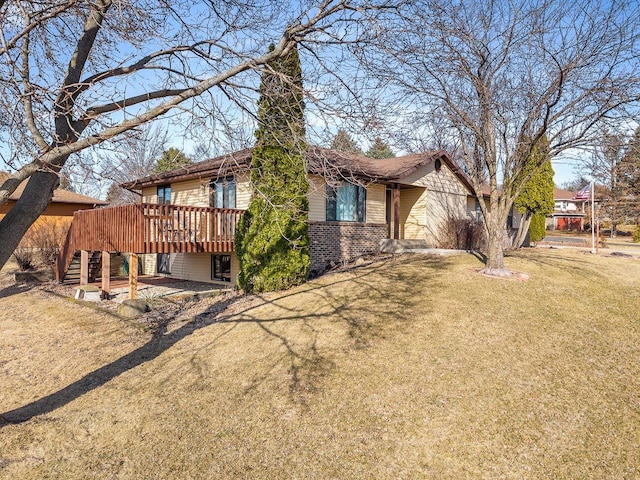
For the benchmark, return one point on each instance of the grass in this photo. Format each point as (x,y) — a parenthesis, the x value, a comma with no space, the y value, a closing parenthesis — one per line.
(413,367)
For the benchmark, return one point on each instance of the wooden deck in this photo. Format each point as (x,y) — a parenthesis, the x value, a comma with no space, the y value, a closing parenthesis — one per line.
(150,228)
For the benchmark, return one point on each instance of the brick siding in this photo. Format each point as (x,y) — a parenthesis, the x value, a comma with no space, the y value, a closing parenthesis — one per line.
(343,241)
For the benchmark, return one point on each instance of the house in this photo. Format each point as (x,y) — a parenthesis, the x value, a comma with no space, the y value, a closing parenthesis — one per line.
(184,226)
(568,213)
(59,212)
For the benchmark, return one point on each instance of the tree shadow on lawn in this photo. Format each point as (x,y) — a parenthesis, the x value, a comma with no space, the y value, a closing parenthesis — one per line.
(15,289)
(307,365)
(557,262)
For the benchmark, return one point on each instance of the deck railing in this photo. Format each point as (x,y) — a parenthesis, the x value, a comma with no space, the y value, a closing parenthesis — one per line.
(150,228)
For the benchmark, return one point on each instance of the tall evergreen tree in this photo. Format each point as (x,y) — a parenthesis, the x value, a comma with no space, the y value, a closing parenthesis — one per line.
(343,142)
(380,149)
(538,227)
(272,240)
(536,199)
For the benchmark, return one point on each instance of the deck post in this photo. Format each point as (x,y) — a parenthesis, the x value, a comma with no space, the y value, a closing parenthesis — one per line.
(106,273)
(133,276)
(396,212)
(84,267)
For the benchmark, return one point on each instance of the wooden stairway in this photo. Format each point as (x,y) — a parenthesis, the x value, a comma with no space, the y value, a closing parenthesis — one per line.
(72,275)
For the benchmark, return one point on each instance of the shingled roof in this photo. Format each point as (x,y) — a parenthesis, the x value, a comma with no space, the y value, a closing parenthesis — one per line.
(560,194)
(59,195)
(322,161)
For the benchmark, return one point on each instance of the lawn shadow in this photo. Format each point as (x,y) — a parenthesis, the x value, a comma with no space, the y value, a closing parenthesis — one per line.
(159,342)
(394,289)
(573,264)
(15,289)
(307,365)
(479,255)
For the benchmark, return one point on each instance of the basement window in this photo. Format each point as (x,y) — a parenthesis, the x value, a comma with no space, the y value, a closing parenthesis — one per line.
(221,268)
(163,263)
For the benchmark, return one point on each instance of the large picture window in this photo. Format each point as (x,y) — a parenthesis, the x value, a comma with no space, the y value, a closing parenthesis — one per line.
(346,203)
(223,193)
(221,267)
(164,195)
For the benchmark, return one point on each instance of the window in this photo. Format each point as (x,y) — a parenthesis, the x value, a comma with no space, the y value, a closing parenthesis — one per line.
(221,267)
(163,263)
(478,211)
(346,203)
(164,195)
(222,193)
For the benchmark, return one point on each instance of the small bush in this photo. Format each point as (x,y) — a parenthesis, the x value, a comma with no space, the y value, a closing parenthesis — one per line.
(636,234)
(25,258)
(537,230)
(463,234)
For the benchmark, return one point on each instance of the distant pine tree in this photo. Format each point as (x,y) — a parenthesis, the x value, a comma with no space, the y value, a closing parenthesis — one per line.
(343,142)
(171,159)
(380,149)
(272,239)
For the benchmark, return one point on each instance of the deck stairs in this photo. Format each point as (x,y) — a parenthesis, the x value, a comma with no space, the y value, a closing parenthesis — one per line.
(72,275)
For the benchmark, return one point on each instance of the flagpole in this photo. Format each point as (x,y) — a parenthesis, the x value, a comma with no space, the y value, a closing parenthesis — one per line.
(593,218)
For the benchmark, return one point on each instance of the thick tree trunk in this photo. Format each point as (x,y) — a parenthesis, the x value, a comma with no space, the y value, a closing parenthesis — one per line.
(34,200)
(497,240)
(523,228)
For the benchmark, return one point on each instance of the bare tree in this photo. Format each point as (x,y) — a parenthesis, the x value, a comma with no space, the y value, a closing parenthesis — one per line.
(606,166)
(134,156)
(501,75)
(76,73)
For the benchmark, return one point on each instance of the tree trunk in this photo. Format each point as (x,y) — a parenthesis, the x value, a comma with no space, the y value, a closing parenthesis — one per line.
(497,238)
(523,228)
(32,203)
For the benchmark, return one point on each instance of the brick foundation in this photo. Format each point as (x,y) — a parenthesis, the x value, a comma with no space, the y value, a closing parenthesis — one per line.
(343,241)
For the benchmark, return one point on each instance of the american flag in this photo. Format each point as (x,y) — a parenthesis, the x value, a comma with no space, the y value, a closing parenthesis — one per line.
(584,193)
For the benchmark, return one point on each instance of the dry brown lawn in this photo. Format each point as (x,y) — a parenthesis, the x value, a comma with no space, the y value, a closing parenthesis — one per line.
(409,368)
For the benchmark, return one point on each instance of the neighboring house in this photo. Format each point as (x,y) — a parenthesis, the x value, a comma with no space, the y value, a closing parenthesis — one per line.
(60,211)
(185,223)
(568,213)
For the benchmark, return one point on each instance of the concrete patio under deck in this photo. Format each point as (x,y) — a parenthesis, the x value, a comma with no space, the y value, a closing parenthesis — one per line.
(150,287)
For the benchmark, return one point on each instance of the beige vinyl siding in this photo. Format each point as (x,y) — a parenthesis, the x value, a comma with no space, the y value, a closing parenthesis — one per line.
(317,199)
(197,267)
(149,263)
(471,207)
(243,191)
(376,203)
(150,195)
(194,193)
(375,207)
(443,181)
(440,206)
(413,213)
(424,211)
